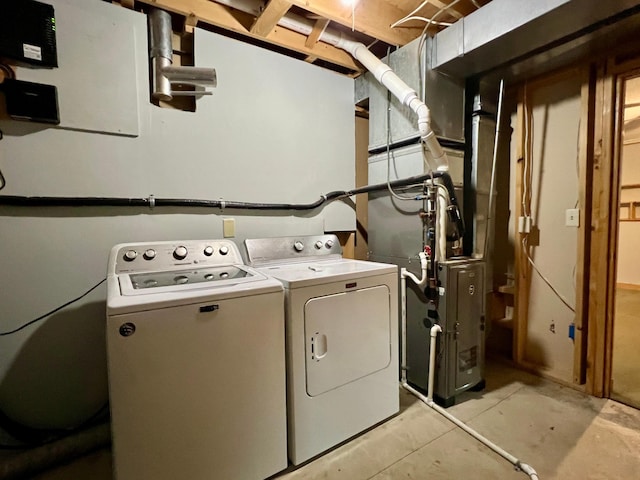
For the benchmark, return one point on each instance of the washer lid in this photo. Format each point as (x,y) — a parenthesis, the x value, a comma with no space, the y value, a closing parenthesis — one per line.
(185,279)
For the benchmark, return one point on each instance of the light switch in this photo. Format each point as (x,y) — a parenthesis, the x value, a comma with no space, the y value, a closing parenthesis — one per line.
(228,227)
(572,218)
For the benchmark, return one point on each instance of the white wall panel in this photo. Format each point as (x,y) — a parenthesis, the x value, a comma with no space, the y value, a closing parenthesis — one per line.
(275,130)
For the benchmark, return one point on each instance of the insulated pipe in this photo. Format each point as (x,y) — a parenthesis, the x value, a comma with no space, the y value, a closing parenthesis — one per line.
(428,400)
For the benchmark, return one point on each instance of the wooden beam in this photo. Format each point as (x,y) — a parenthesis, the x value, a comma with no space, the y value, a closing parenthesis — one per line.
(597,344)
(127,3)
(583,261)
(452,11)
(190,22)
(318,29)
(372,18)
(270,17)
(522,266)
(238,22)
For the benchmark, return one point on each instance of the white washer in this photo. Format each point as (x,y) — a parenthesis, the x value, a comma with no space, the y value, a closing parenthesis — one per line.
(342,339)
(196,356)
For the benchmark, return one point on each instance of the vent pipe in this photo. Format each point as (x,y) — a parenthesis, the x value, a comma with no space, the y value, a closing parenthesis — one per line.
(381,71)
(161,53)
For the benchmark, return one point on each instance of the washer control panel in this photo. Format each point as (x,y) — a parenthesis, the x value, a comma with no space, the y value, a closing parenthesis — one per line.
(144,257)
(263,251)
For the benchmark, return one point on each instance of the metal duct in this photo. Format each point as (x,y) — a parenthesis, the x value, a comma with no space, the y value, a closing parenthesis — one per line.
(161,54)
(504,31)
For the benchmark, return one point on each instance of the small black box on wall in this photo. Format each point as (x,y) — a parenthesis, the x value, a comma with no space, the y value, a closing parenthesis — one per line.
(35,102)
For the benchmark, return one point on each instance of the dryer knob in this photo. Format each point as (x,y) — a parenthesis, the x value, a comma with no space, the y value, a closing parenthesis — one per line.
(298,245)
(149,254)
(130,255)
(329,243)
(208,250)
(319,244)
(224,250)
(180,252)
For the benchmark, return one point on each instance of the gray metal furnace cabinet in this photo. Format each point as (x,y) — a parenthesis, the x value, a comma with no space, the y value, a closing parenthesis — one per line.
(460,311)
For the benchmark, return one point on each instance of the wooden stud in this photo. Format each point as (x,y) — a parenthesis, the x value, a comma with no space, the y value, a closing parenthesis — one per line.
(220,16)
(127,3)
(522,267)
(270,17)
(371,18)
(585,160)
(318,29)
(600,239)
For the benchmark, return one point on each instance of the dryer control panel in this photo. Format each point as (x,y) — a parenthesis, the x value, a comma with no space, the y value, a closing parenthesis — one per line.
(156,256)
(265,251)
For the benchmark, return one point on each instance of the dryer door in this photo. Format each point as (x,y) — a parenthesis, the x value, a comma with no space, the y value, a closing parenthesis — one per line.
(348,336)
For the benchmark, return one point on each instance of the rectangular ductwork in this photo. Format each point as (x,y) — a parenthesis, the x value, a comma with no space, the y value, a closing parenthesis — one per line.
(506,31)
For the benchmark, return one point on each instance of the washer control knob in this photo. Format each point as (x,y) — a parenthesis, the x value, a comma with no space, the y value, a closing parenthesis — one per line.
(319,244)
(329,243)
(130,255)
(149,254)
(224,250)
(208,250)
(298,245)
(180,252)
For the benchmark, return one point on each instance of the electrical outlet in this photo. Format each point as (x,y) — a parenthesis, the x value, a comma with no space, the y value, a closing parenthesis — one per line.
(229,227)
(572,218)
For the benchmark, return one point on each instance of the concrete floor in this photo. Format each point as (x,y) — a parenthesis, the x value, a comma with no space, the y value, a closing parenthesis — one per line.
(625,367)
(562,433)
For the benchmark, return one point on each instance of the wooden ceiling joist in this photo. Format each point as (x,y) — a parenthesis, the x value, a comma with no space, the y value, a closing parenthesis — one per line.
(270,17)
(318,29)
(371,18)
(451,11)
(220,16)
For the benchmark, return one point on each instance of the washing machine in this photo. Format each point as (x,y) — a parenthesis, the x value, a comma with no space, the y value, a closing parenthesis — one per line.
(341,335)
(196,357)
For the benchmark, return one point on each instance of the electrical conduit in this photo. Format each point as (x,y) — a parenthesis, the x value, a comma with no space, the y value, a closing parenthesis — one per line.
(428,400)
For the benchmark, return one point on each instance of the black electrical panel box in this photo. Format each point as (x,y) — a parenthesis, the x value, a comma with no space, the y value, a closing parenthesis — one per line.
(28,32)
(34,102)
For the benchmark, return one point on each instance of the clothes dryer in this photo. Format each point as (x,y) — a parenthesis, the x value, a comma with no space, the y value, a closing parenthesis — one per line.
(342,339)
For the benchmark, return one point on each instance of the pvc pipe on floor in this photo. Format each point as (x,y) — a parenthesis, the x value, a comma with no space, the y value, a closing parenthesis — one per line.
(428,400)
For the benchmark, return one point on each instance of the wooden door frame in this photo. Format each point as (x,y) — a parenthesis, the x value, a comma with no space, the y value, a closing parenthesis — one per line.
(605,185)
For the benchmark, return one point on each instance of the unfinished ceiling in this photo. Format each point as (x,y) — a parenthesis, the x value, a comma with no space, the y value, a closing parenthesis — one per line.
(368,21)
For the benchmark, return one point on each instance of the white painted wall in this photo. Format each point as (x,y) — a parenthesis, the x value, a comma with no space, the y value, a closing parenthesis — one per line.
(629,232)
(275,130)
(555,124)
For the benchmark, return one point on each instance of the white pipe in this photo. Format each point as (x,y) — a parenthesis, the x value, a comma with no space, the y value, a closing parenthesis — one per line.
(428,400)
(404,273)
(399,89)
(380,70)
(441,231)
(488,232)
(433,333)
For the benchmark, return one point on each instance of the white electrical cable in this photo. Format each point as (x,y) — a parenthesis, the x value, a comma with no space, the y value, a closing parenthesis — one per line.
(526,198)
(414,11)
(423,19)
(545,279)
